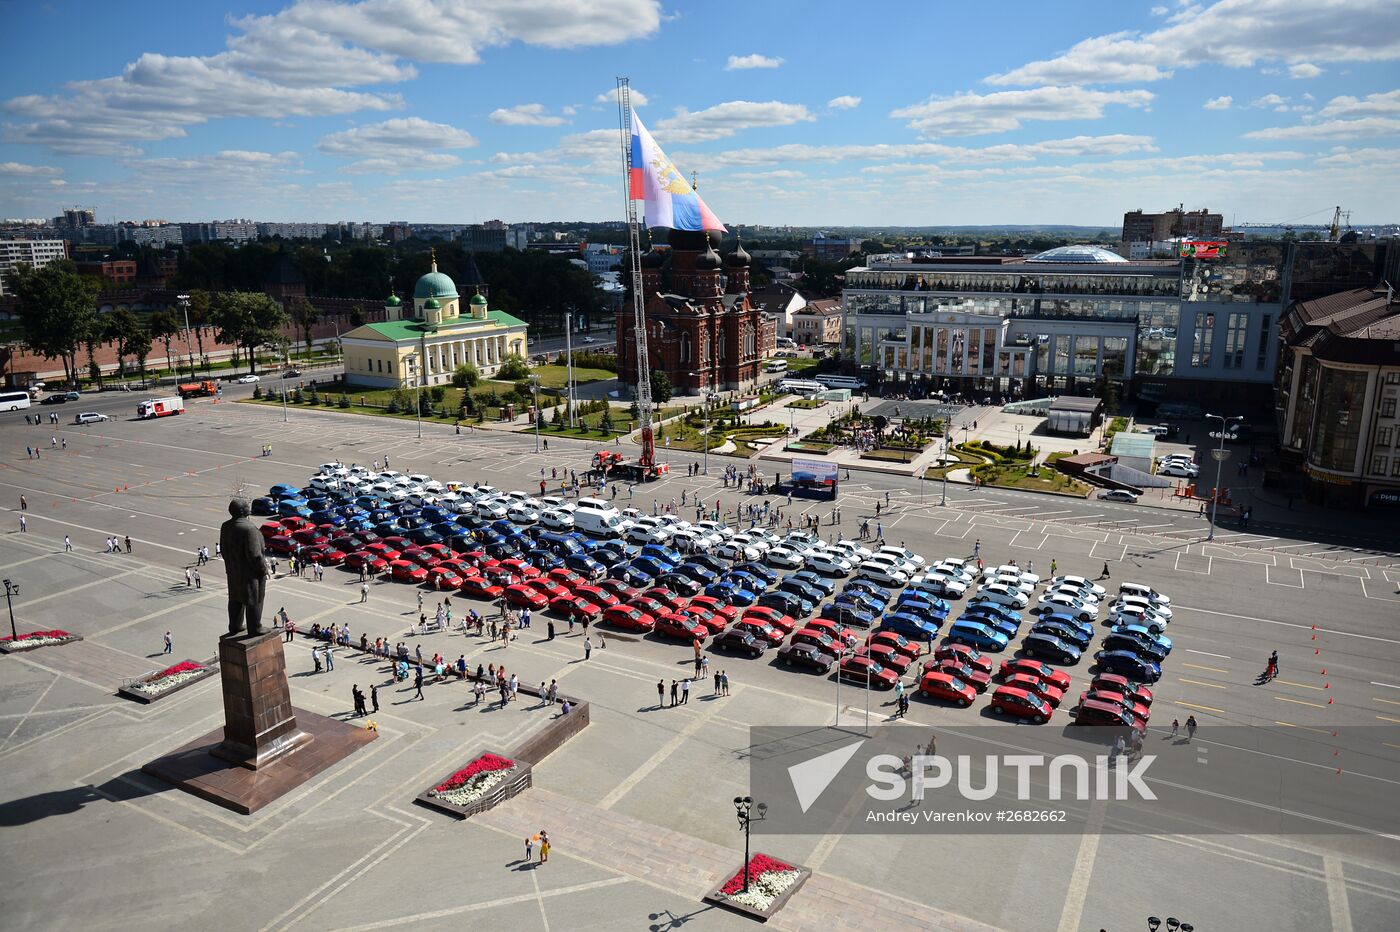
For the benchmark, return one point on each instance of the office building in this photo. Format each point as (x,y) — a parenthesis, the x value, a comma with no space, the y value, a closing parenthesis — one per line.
(117,273)
(830,248)
(817,323)
(35,253)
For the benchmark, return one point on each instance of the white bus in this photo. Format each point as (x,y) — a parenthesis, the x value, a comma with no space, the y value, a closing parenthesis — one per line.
(800,386)
(841,381)
(13,400)
(775,365)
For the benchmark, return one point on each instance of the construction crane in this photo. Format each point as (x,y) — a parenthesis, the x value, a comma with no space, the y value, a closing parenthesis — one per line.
(1335,231)
(647,461)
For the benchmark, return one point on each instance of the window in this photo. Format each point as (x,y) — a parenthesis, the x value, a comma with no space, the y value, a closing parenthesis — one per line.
(1392,378)
(1395,467)
(1236,331)
(1378,465)
(1383,435)
(1202,337)
(1387,407)
(1262,354)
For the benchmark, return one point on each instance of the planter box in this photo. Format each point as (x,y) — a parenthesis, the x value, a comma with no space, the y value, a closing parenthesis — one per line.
(716,898)
(128,689)
(18,647)
(815,447)
(519,779)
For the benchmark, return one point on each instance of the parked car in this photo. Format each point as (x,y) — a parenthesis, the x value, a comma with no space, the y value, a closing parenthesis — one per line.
(946,686)
(1129,664)
(1119,495)
(863,671)
(739,641)
(807,656)
(1039,644)
(1009,700)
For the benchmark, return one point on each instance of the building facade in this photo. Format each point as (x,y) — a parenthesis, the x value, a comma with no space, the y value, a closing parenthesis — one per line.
(1337,398)
(818,323)
(35,253)
(702,329)
(424,343)
(1057,322)
(831,248)
(115,272)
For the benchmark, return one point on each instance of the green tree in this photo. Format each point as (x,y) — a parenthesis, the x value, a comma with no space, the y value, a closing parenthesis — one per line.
(305,316)
(57,311)
(121,328)
(606,422)
(437,393)
(162,327)
(558,420)
(357,315)
(139,345)
(660,387)
(249,320)
(513,368)
(1107,391)
(466,376)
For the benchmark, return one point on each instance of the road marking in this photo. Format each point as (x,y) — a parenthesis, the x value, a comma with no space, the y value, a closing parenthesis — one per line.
(1071,916)
(1197,666)
(1387,685)
(1199,683)
(1209,654)
(1321,731)
(1386,701)
(1192,705)
(1389,745)
(1337,902)
(1387,718)
(1299,685)
(1302,702)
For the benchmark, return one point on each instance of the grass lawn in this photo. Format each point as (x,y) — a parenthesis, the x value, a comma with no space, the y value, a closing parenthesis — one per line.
(1018,477)
(964,460)
(555,376)
(688,437)
(810,446)
(890,456)
(807,403)
(801,364)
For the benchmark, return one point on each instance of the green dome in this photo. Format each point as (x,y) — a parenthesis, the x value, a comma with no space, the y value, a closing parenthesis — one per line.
(394,301)
(479,299)
(432,304)
(435,285)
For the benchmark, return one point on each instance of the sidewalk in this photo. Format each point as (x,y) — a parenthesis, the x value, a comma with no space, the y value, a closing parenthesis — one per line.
(692,867)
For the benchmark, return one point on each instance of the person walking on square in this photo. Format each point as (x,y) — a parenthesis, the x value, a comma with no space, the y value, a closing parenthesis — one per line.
(1105,570)
(1190,727)
(67,544)
(169,644)
(675,693)
(1176,727)
(685,690)
(23,503)
(724,682)
(330,658)
(544,846)
(358,698)
(587,647)
(364,592)
(198,582)
(374,696)
(418,681)
(529,845)
(660,693)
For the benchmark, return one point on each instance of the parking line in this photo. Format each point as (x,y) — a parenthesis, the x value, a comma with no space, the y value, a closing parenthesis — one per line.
(1387,685)
(1302,702)
(1197,666)
(1387,718)
(1192,705)
(1299,685)
(1321,731)
(1386,701)
(1209,654)
(1290,624)
(1211,685)
(1389,745)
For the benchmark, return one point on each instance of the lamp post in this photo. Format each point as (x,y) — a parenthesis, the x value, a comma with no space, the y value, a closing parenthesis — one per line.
(286,364)
(411,362)
(1018,437)
(743,805)
(946,434)
(11,589)
(569,365)
(184,300)
(1220,454)
(535,390)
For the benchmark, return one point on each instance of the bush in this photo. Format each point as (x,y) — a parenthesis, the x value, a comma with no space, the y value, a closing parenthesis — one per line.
(513,368)
(392,405)
(589,360)
(465,376)
(437,393)
(257,391)
(345,401)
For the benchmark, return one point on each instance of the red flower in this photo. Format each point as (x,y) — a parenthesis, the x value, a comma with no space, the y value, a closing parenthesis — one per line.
(759,865)
(38,634)
(486,763)
(184,666)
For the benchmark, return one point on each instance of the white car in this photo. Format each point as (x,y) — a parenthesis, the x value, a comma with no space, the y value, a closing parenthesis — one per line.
(1184,470)
(248,379)
(941,584)
(1143,592)
(954,570)
(1012,582)
(419,478)
(714,527)
(853,550)
(557,520)
(1077,582)
(885,574)
(1083,595)
(1011,569)
(1127,603)
(829,563)
(433,486)
(754,542)
(648,530)
(333,468)
(909,557)
(1118,495)
(738,552)
(1140,615)
(691,540)
(382,487)
(554,501)
(1062,604)
(1003,595)
(785,558)
(522,513)
(490,508)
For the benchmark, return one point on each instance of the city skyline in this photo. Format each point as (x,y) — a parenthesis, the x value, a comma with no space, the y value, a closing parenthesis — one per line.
(445,112)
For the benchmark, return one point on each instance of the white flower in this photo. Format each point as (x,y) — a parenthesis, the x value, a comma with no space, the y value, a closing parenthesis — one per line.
(765,889)
(36,642)
(155,687)
(475,788)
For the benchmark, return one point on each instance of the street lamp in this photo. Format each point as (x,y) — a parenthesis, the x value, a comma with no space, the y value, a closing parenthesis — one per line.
(184,300)
(411,362)
(742,807)
(535,390)
(1018,437)
(11,589)
(1220,454)
(286,364)
(946,434)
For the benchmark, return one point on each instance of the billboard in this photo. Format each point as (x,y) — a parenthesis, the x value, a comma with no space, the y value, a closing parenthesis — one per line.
(814,474)
(1200,249)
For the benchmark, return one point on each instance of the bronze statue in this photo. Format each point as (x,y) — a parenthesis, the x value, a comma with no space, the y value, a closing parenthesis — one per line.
(242,546)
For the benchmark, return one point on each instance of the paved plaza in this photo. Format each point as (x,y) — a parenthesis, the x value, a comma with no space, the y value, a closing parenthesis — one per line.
(639,803)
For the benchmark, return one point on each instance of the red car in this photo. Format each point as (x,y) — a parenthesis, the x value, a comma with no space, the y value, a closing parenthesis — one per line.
(459,566)
(964,653)
(862,670)
(760,630)
(475,559)
(500,575)
(1136,709)
(977,679)
(896,641)
(1056,678)
(1008,700)
(598,596)
(1113,683)
(576,608)
(667,598)
(680,626)
(711,604)
(521,568)
(282,543)
(946,686)
(818,639)
(441,551)
(272,529)
(617,587)
(295,523)
(784,623)
(348,542)
(885,656)
(567,578)
(367,560)
(444,577)
(481,587)
(309,536)
(324,554)
(408,571)
(384,550)
(421,557)
(546,587)
(525,596)
(1099,712)
(629,618)
(650,606)
(839,632)
(1034,684)
(712,623)
(398,543)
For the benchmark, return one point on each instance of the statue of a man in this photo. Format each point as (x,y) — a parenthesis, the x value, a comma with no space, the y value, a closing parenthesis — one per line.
(242,547)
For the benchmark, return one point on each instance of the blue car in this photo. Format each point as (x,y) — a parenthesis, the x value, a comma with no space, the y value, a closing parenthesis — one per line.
(631,575)
(359,523)
(935,604)
(759,571)
(878,592)
(423,536)
(993,608)
(1070,635)
(936,609)
(652,566)
(265,505)
(695,571)
(1139,631)
(543,560)
(825,586)
(977,635)
(988,621)
(289,507)
(787,603)
(731,592)
(911,626)
(317,502)
(664,554)
(411,521)
(585,565)
(1141,646)
(1060,618)
(1050,647)
(403,509)
(388,529)
(282,490)
(859,599)
(328,517)
(1126,663)
(747,580)
(608,557)
(844,613)
(810,594)
(713,564)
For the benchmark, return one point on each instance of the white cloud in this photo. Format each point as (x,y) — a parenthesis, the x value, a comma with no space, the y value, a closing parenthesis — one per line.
(728,118)
(1219,103)
(407,162)
(1160,11)
(795,153)
(526,115)
(1233,33)
(1003,111)
(1371,105)
(844,102)
(1304,70)
(742,62)
(1365,127)
(19,168)
(1269,100)
(610,97)
(402,138)
(229,169)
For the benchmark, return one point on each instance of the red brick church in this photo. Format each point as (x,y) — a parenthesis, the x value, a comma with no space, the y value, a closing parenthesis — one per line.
(702,330)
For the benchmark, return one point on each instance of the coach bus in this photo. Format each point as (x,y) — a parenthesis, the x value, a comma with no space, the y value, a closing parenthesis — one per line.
(841,381)
(801,386)
(13,400)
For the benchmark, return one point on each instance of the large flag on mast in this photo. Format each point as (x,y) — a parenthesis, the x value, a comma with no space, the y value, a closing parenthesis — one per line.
(670,200)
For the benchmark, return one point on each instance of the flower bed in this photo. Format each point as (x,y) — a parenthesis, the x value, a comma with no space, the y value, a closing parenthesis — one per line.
(162,683)
(36,639)
(771,884)
(486,781)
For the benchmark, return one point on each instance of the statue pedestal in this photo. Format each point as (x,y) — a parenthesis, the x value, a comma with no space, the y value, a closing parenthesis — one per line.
(266,748)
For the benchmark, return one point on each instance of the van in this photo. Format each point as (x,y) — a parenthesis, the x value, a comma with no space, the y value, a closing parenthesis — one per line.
(597,517)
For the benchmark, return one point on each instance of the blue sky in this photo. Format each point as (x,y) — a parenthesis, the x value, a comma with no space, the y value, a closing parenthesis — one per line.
(804,113)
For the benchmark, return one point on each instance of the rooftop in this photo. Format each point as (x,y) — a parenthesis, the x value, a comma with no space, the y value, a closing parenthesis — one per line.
(400,330)
(1359,326)
(1078,255)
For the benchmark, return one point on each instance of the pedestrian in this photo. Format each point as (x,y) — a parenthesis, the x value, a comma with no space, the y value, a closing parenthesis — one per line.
(660,693)
(675,693)
(685,690)
(977,547)
(169,644)
(67,544)
(218,549)
(364,592)
(903,704)
(418,680)
(189,577)
(529,839)
(358,698)
(544,841)
(1053,566)
(716,692)
(198,582)
(1105,570)
(1190,727)
(330,658)
(374,696)
(1176,727)
(1271,670)
(23,503)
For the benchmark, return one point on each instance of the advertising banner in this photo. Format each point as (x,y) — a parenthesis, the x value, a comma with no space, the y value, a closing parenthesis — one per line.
(1197,249)
(814,473)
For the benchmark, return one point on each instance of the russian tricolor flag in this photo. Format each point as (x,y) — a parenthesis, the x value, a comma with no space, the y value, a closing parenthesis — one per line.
(670,200)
